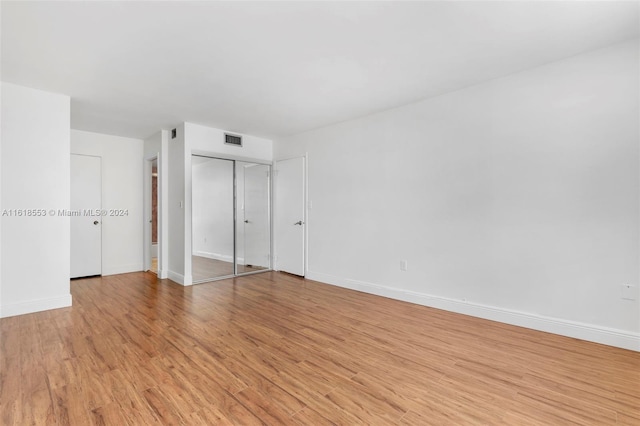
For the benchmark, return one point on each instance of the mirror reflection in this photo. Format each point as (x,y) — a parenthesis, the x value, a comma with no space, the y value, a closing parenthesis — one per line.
(212,218)
(253,226)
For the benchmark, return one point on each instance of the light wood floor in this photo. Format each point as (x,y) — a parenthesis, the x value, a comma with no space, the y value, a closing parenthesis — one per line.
(204,268)
(275,349)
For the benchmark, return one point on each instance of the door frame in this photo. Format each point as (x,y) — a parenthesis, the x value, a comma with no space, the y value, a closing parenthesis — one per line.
(305,196)
(147,213)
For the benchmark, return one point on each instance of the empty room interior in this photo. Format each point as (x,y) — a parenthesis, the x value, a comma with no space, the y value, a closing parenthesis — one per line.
(316,213)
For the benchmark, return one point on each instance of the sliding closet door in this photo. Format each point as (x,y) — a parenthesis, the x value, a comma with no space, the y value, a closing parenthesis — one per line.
(253,227)
(212,218)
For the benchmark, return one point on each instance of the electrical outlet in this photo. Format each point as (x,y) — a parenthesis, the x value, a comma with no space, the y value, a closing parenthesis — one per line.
(629,292)
(403,265)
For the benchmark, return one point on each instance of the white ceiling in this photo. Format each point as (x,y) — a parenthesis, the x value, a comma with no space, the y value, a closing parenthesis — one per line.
(275,69)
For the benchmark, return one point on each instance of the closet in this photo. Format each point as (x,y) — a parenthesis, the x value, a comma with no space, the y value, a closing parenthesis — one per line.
(231,218)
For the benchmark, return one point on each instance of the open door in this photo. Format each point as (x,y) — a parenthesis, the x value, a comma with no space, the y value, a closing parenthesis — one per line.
(151,250)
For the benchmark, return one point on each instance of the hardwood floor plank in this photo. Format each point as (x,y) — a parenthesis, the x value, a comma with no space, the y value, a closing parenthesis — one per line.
(569,409)
(264,408)
(72,405)
(308,416)
(627,420)
(209,416)
(277,349)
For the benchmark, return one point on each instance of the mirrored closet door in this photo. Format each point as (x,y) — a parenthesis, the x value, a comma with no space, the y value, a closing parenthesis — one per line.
(253,242)
(231,220)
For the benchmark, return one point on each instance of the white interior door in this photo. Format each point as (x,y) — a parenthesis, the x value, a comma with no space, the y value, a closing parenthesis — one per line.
(86,222)
(289,223)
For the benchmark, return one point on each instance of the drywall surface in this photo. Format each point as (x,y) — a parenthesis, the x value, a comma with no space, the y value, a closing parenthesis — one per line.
(207,140)
(122,197)
(35,185)
(179,248)
(516,199)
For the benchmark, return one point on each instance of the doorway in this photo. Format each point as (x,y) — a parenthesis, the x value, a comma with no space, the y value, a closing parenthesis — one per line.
(152,234)
(154,216)
(231,218)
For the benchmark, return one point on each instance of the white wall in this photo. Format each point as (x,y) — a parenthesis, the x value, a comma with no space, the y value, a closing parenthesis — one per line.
(157,146)
(179,265)
(207,140)
(516,200)
(122,166)
(35,175)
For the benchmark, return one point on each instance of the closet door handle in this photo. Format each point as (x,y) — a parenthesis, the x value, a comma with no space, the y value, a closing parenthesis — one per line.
(299,222)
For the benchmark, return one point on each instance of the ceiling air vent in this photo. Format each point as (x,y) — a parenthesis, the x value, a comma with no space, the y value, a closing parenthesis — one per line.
(234,140)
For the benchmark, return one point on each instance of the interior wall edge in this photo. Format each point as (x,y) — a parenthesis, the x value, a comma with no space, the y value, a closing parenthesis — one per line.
(589,332)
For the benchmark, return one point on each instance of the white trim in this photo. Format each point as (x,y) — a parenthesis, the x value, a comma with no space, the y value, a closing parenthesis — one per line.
(37,305)
(122,269)
(220,156)
(593,333)
(305,244)
(180,279)
(217,256)
(174,276)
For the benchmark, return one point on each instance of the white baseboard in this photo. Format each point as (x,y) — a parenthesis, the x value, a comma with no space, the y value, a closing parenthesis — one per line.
(593,333)
(217,256)
(122,269)
(163,274)
(38,305)
(179,278)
